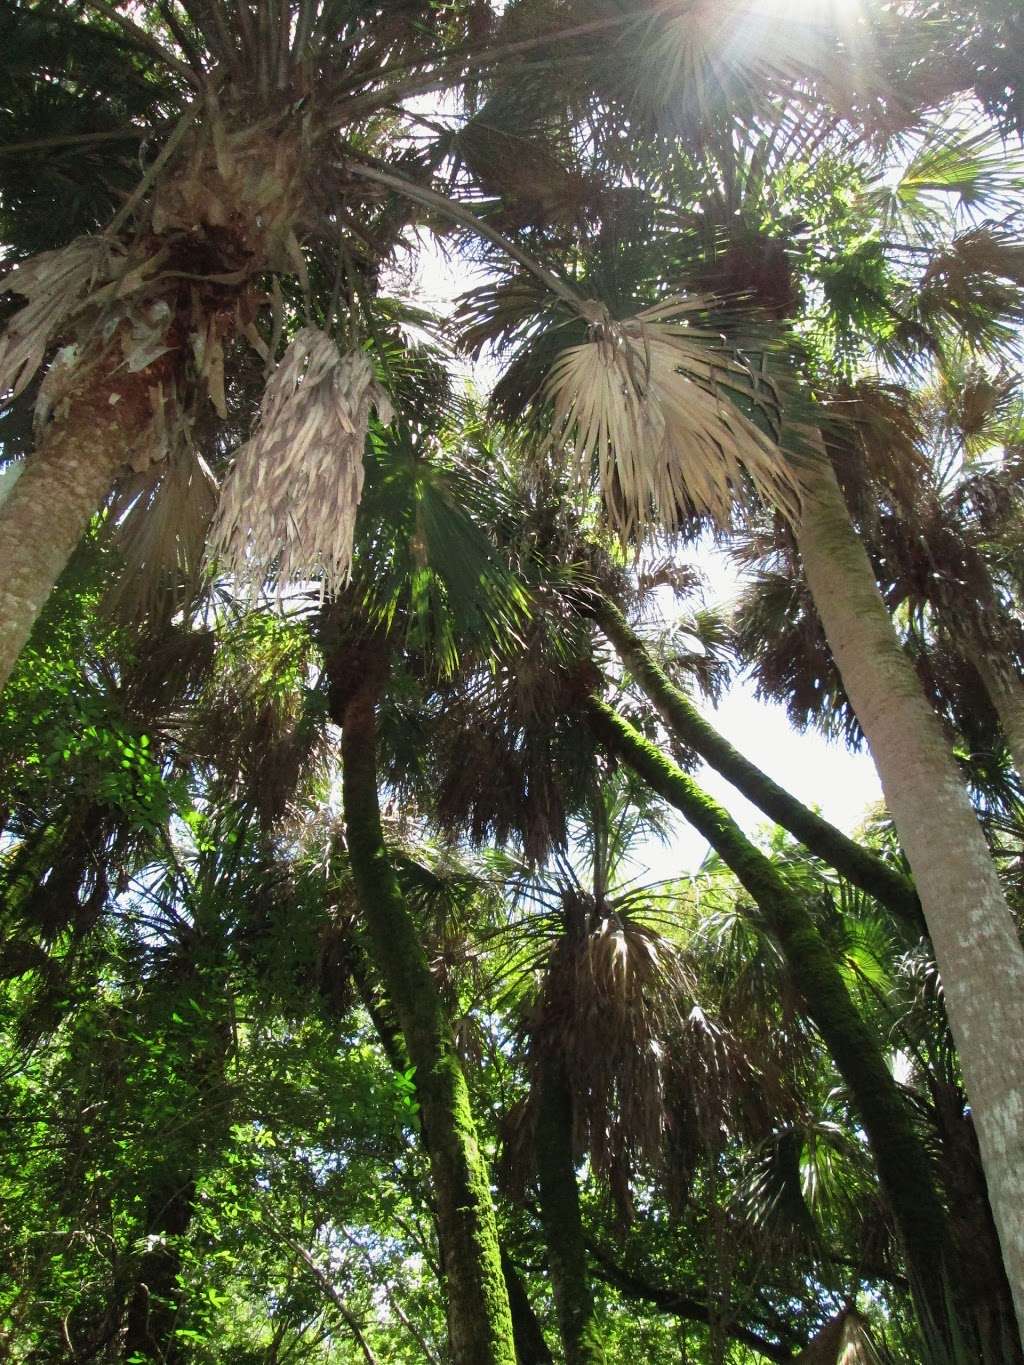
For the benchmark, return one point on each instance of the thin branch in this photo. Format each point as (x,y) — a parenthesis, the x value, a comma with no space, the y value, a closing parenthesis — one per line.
(324,1281)
(459,214)
(669,1301)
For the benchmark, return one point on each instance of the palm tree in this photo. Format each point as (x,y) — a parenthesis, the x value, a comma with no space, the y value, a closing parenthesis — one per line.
(887,1122)
(975,939)
(429,586)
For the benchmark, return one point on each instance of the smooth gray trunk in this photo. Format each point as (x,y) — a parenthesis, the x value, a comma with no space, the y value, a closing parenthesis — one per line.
(978,951)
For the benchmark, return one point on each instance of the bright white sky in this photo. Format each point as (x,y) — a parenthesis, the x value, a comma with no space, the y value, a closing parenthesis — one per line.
(841,784)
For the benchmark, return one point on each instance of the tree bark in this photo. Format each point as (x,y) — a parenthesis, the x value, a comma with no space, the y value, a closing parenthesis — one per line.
(531,1348)
(42,521)
(685,722)
(560,1218)
(902,1162)
(479,1319)
(1006,693)
(977,948)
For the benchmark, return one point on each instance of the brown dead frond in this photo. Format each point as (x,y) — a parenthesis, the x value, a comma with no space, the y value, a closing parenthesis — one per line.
(845,1340)
(608,1003)
(648,398)
(288,507)
(53,284)
(159,521)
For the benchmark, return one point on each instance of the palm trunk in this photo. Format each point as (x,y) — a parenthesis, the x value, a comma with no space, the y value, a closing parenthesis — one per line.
(1006,693)
(560,1218)
(685,722)
(904,1169)
(978,951)
(42,520)
(479,1320)
(530,1346)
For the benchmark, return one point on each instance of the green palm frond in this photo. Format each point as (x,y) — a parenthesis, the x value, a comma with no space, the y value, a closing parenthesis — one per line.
(972,172)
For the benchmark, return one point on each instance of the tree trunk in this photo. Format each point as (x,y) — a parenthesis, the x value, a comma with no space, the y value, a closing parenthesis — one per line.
(1006,693)
(856,864)
(977,949)
(42,520)
(560,1218)
(902,1162)
(153,1309)
(530,1346)
(479,1320)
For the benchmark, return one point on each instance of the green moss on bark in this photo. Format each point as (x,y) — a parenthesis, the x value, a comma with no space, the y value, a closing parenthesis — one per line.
(903,1166)
(479,1319)
(560,1217)
(857,864)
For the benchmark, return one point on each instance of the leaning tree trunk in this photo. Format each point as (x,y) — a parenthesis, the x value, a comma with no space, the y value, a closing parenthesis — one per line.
(83,448)
(685,723)
(902,1162)
(977,949)
(479,1319)
(560,1217)
(42,520)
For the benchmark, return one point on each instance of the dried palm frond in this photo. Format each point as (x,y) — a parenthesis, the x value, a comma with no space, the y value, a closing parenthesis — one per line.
(609,1002)
(53,282)
(158,521)
(647,398)
(288,507)
(844,1340)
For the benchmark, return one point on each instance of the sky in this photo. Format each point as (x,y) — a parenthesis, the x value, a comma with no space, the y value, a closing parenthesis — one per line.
(841,784)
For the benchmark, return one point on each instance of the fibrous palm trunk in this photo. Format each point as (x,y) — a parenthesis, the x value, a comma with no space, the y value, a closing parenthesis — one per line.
(978,951)
(479,1319)
(685,723)
(902,1162)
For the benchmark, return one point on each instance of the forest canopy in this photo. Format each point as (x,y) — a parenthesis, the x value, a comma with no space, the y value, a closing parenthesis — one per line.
(357,649)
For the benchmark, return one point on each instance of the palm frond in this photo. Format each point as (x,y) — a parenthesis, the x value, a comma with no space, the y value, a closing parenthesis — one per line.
(53,284)
(649,399)
(288,507)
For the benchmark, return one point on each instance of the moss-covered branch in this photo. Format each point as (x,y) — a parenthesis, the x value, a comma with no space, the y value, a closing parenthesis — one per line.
(903,1165)
(859,866)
